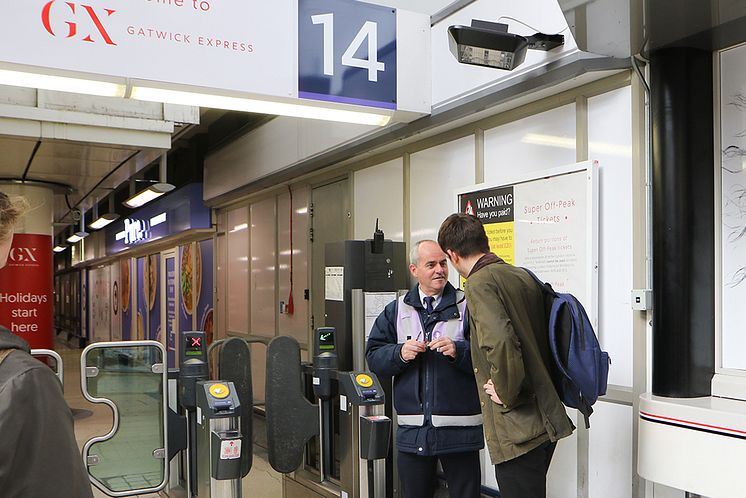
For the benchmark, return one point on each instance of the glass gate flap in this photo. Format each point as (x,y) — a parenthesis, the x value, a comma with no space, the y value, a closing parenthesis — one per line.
(129,377)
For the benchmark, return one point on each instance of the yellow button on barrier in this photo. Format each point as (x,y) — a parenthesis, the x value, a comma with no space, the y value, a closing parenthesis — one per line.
(364,380)
(219,391)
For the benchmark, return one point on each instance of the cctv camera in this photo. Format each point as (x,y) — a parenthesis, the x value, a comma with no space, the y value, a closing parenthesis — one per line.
(489,44)
(76,214)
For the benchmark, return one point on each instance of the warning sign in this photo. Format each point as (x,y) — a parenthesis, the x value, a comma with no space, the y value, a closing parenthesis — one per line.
(230,450)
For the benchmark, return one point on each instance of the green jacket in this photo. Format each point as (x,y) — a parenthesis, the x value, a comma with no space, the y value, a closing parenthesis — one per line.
(508,326)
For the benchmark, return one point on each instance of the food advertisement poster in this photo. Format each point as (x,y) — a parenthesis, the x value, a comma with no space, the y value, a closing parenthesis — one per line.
(171,310)
(116,302)
(544,224)
(152,272)
(142,300)
(189,284)
(205,301)
(100,302)
(125,292)
(84,304)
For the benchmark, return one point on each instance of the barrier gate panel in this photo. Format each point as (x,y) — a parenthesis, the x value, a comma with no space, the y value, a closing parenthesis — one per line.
(130,378)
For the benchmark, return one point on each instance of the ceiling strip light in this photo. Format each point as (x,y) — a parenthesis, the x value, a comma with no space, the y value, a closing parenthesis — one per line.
(378,118)
(61,83)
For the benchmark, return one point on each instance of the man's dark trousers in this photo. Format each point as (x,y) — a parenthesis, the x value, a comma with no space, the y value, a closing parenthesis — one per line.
(462,473)
(526,475)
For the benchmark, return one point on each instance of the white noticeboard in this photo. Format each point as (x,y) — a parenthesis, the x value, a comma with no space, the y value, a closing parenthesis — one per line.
(334,283)
(548,223)
(375,302)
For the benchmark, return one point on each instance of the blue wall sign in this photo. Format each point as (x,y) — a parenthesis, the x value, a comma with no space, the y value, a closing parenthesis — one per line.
(181,210)
(347,52)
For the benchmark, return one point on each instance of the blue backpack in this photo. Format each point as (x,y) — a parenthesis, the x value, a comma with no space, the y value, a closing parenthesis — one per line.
(581,369)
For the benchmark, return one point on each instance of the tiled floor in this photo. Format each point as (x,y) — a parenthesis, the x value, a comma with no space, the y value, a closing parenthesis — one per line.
(96,419)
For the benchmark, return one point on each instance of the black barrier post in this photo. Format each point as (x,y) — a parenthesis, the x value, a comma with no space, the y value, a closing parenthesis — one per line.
(234,365)
(193,368)
(683,222)
(291,419)
(324,368)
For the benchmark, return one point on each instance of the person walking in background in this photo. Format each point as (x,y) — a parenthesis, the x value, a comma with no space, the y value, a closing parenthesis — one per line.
(421,339)
(39,456)
(523,415)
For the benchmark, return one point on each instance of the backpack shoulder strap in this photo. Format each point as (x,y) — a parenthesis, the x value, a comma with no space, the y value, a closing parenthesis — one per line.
(544,286)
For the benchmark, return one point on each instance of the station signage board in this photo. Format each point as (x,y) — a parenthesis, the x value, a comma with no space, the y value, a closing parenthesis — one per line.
(340,52)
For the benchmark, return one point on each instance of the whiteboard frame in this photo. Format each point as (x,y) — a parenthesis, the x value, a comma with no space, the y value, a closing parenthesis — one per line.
(591,168)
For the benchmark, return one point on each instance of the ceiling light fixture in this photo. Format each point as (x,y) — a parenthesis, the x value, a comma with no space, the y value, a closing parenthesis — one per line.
(61,83)
(81,234)
(306,110)
(100,222)
(489,44)
(153,191)
(59,248)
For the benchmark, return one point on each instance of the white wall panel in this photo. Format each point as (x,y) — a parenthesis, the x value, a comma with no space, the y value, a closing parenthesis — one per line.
(221,242)
(270,148)
(379,193)
(295,325)
(610,451)
(435,174)
(535,143)
(562,479)
(237,309)
(263,243)
(610,142)
(258,370)
(451,79)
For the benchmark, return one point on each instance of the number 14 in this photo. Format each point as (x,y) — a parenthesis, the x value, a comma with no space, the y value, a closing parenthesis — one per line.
(369,31)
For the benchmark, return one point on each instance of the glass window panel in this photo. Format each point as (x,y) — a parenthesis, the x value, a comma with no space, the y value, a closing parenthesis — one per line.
(238,270)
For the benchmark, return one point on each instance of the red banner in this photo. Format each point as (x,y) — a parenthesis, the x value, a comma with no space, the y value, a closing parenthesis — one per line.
(26,290)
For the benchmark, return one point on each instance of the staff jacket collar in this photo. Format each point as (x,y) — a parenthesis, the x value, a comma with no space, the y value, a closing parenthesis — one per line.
(448,298)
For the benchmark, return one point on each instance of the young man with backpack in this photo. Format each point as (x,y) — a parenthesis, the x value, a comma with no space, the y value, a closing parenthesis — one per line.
(522,413)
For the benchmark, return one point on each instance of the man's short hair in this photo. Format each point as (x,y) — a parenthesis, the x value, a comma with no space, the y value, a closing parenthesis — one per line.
(414,254)
(463,234)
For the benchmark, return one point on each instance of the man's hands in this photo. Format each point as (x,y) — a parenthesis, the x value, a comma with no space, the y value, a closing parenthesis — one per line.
(412,348)
(444,345)
(489,388)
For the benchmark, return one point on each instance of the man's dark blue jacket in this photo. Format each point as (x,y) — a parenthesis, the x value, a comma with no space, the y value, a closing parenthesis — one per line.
(432,383)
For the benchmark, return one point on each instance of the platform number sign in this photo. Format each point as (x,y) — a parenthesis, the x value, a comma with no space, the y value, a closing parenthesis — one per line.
(347,52)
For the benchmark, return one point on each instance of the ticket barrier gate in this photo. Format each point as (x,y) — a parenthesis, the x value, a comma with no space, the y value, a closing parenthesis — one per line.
(59,368)
(208,432)
(353,433)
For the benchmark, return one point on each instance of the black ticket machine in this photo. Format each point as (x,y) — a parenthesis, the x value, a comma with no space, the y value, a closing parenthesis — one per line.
(219,439)
(216,448)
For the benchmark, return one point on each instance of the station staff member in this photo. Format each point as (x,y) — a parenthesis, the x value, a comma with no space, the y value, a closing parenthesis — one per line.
(38,455)
(421,339)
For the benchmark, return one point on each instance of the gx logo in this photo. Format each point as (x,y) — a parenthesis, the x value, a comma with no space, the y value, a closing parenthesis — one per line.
(23,255)
(72,26)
